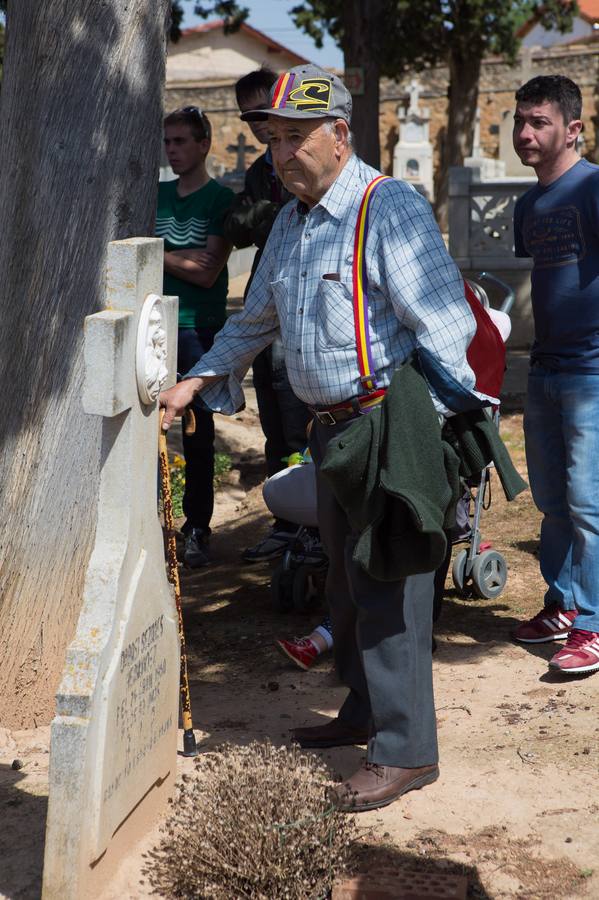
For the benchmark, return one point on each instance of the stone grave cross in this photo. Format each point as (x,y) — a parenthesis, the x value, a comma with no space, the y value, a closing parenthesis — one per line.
(415,89)
(241,148)
(114,736)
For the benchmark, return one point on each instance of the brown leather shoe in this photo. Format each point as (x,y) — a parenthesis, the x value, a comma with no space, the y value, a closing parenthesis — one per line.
(373,786)
(335,733)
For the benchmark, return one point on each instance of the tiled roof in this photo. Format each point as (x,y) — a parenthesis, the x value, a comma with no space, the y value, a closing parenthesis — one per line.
(589,10)
(272,45)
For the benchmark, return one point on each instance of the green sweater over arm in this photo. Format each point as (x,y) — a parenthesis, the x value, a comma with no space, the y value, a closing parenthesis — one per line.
(398,480)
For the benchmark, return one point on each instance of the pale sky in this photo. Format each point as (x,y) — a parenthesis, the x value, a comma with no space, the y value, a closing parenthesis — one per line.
(272,17)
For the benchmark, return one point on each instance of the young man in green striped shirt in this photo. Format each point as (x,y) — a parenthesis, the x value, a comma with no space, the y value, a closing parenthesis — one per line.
(189,218)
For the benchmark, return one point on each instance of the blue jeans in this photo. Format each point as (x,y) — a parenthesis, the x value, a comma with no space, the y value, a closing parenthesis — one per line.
(561,428)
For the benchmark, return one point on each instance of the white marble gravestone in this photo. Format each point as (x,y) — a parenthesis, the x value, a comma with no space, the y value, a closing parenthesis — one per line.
(413,153)
(114,737)
(485,167)
(513,165)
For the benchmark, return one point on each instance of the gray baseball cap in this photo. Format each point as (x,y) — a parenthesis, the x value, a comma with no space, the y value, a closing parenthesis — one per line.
(305,92)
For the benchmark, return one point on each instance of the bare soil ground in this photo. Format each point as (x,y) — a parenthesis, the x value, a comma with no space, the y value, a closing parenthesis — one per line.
(517,804)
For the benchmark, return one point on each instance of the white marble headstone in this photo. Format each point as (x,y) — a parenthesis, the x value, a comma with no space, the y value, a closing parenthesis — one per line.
(488,168)
(413,153)
(511,160)
(114,737)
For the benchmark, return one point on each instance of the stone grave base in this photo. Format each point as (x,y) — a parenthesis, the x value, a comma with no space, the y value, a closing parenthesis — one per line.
(96,880)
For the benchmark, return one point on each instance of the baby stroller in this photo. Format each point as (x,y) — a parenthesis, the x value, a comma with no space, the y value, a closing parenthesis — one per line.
(298,580)
(478,570)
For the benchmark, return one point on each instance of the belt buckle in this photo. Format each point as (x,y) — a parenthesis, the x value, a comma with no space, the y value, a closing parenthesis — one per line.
(325,417)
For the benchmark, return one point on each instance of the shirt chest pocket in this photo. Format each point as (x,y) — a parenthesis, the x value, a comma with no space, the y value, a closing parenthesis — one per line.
(334,315)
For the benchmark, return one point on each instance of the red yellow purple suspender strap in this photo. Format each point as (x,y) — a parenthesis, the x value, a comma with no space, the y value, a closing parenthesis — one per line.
(360,287)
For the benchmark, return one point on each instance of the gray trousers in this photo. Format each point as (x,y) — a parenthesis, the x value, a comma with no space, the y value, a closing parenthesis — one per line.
(383,643)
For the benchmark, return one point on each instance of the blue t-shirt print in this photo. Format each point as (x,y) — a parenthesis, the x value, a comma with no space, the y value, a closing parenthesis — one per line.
(558,226)
(554,238)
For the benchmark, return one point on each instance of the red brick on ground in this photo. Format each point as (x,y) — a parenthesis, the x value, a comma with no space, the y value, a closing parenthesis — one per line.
(405,885)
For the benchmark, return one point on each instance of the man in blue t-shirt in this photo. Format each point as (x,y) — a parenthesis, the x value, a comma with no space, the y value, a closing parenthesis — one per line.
(557,224)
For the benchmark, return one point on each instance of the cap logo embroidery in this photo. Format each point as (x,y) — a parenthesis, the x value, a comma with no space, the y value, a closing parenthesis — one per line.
(312,93)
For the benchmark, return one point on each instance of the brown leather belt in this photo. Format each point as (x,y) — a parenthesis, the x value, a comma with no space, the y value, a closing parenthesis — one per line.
(349,409)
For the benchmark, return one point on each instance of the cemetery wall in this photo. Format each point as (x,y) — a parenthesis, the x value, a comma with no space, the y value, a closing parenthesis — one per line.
(498,83)
(499,80)
(218,102)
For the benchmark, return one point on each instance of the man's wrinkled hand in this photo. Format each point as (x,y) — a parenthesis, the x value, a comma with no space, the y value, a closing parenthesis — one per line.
(177,399)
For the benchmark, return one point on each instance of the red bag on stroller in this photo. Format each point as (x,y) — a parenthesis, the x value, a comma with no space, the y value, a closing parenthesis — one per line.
(486,352)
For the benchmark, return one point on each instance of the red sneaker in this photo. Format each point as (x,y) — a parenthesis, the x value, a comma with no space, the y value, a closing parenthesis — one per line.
(301,650)
(580,653)
(551,624)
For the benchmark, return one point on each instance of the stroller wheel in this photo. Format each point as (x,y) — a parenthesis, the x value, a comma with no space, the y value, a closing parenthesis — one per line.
(281,589)
(304,592)
(461,581)
(489,574)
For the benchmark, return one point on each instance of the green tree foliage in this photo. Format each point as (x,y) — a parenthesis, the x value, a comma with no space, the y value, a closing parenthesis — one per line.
(175,21)
(406,34)
(388,37)
(231,12)
(415,33)
(471,29)
(398,27)
(380,37)
(392,26)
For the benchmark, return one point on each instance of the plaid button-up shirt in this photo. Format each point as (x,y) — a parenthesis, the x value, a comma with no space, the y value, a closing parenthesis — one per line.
(303,286)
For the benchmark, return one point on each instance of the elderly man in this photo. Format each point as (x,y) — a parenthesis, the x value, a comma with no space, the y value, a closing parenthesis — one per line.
(303,286)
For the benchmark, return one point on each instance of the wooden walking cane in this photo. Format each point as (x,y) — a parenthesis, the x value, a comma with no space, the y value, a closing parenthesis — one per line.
(189,740)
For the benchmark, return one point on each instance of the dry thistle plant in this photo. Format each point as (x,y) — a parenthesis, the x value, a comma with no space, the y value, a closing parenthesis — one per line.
(252,822)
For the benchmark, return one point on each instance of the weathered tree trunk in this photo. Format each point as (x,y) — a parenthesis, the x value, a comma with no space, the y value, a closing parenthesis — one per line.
(362,21)
(80,133)
(464,74)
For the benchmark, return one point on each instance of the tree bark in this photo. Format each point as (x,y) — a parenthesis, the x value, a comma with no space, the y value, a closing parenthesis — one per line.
(80,135)
(362,22)
(464,74)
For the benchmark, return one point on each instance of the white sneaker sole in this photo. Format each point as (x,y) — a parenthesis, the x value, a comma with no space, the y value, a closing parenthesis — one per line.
(561,636)
(579,670)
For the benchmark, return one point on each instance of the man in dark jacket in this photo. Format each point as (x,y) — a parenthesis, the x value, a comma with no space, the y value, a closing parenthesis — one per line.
(283,417)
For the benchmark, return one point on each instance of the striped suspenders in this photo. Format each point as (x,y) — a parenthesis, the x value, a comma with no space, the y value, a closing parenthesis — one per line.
(360,287)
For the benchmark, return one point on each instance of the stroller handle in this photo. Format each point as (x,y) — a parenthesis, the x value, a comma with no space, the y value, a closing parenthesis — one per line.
(510,295)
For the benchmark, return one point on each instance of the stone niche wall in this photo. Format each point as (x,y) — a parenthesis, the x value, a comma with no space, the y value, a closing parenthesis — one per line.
(498,83)
(218,102)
